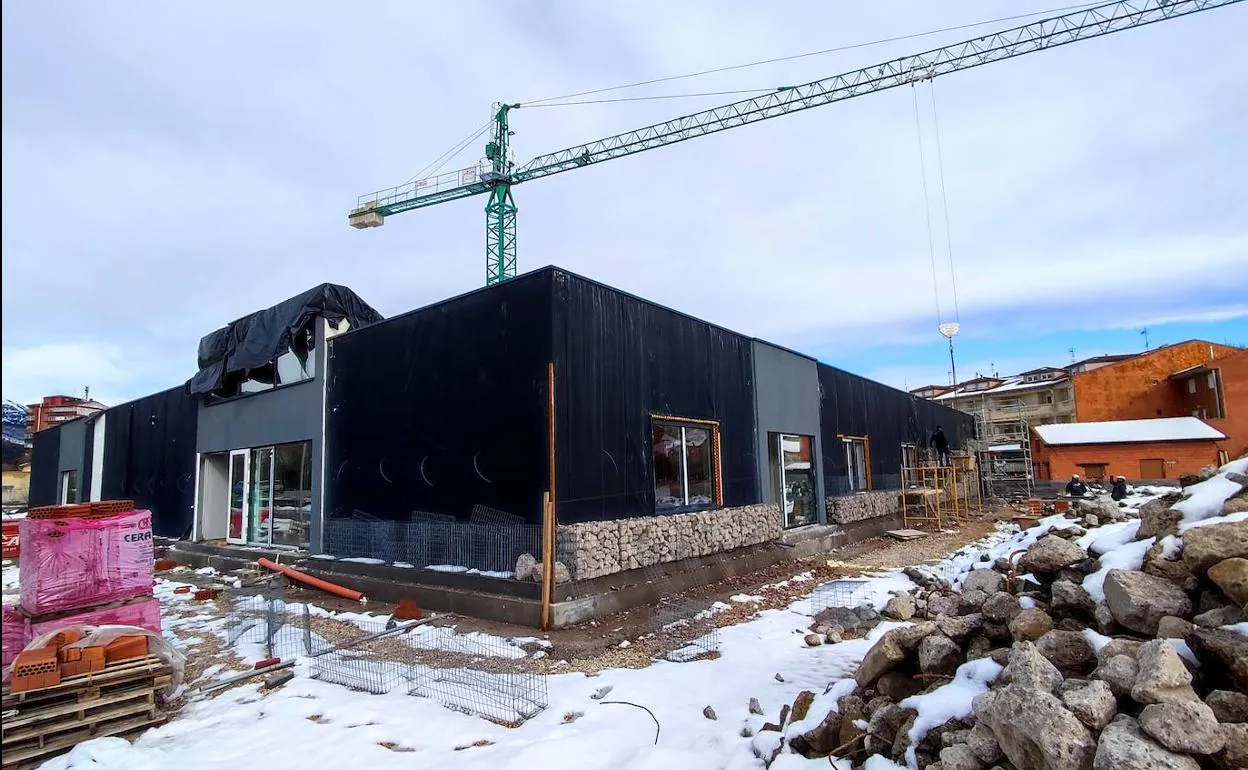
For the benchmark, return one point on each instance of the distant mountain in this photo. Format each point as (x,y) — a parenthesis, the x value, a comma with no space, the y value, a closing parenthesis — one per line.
(14,422)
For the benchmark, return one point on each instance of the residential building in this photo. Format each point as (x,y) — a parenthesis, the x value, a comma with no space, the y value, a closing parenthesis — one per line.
(54,410)
(1004,407)
(1141,450)
(1096,362)
(16,484)
(353,432)
(1192,378)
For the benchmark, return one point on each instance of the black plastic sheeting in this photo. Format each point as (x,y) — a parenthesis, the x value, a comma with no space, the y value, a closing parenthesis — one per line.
(256,339)
(619,360)
(149,457)
(443,408)
(856,406)
(45,465)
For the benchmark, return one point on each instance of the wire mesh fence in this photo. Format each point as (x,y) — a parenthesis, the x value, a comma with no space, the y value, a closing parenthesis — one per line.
(842,594)
(680,629)
(489,543)
(483,675)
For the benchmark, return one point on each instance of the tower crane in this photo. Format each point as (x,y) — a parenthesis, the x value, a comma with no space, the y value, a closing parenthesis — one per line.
(499,174)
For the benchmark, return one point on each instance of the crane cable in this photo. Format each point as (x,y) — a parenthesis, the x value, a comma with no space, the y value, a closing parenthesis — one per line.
(944,204)
(927,206)
(446,157)
(808,54)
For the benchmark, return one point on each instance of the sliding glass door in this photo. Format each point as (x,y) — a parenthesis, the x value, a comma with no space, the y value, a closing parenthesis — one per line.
(260,496)
(238,496)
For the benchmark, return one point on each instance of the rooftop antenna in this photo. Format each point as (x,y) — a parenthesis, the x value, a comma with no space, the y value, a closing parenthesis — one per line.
(1144,331)
(949,330)
(1072,355)
(86,393)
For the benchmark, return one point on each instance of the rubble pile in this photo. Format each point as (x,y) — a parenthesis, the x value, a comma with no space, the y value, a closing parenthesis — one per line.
(1115,639)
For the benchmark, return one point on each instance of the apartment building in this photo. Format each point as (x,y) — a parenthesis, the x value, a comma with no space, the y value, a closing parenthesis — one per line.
(54,410)
(1005,406)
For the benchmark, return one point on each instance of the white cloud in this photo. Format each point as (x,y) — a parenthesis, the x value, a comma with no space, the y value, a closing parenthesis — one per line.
(64,368)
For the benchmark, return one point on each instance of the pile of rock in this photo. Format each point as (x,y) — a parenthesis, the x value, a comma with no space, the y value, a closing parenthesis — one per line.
(1153,676)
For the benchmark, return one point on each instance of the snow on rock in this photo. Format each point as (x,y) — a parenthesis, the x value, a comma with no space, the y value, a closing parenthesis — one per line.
(1129,556)
(1204,500)
(951,701)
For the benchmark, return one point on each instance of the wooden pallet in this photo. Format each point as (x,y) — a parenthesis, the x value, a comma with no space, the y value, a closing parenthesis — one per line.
(119,700)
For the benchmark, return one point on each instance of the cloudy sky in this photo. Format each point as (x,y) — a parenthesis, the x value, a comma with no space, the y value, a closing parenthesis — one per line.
(171,166)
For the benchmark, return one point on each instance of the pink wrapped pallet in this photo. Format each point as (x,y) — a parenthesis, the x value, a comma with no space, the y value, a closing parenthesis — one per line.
(73,563)
(144,613)
(13,633)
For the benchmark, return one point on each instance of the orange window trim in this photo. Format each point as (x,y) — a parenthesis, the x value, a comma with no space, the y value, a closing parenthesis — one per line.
(716,461)
(866,452)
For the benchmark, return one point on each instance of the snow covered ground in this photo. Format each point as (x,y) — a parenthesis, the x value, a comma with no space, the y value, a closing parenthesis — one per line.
(310,723)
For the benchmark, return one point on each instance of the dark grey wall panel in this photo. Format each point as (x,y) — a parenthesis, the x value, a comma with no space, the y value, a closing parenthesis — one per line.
(786,394)
(45,464)
(290,413)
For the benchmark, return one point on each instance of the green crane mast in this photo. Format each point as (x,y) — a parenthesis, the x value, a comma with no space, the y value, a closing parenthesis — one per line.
(496,181)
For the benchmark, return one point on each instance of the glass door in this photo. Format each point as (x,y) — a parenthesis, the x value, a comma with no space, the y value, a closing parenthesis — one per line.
(260,496)
(792,463)
(238,492)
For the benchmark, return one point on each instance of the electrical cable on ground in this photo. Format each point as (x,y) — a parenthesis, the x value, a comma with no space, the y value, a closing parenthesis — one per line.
(944,203)
(838,49)
(636,705)
(927,207)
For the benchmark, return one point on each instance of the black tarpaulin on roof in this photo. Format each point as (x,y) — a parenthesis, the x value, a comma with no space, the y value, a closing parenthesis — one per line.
(149,457)
(256,339)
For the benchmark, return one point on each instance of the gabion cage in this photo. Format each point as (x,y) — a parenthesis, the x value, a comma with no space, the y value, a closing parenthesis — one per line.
(491,541)
(845,593)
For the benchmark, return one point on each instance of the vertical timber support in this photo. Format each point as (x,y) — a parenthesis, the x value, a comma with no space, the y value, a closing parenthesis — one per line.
(548,507)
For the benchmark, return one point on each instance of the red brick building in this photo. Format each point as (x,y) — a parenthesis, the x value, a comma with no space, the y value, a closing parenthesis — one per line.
(1195,378)
(1160,448)
(54,410)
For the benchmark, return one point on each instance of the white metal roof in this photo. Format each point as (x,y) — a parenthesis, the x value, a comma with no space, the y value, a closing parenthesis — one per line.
(1127,431)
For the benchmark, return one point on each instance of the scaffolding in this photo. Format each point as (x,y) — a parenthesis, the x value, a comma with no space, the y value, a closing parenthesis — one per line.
(1003,449)
(937,494)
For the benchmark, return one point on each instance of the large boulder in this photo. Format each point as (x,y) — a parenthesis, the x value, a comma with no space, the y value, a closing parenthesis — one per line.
(939,655)
(1219,616)
(1171,627)
(959,627)
(1069,599)
(1235,755)
(1231,575)
(1158,519)
(900,607)
(1050,554)
(1139,601)
(1030,625)
(942,604)
(1124,745)
(890,650)
(526,565)
(1070,651)
(1166,562)
(959,757)
(821,739)
(1204,547)
(1001,607)
(1120,646)
(1223,655)
(1188,726)
(1228,705)
(1119,672)
(987,580)
(883,729)
(1162,677)
(1029,668)
(1035,731)
(1092,702)
(983,743)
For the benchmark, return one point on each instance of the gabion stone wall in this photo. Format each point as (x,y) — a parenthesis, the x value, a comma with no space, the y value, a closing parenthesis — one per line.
(863,506)
(598,548)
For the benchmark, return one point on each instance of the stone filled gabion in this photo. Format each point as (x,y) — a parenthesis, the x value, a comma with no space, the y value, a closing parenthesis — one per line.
(597,548)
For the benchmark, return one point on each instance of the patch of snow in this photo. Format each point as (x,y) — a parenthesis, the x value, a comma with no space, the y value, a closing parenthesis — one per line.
(324,556)
(1238,628)
(206,571)
(1026,602)
(1184,651)
(1230,518)
(745,598)
(1107,538)
(881,762)
(1129,557)
(950,701)
(455,568)
(363,560)
(1171,547)
(1204,500)
(403,565)
(1127,431)
(1097,640)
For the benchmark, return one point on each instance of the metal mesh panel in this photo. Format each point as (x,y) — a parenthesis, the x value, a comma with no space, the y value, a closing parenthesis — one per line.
(846,594)
(492,542)
(477,674)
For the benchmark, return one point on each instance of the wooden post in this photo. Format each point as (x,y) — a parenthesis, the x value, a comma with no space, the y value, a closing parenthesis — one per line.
(548,558)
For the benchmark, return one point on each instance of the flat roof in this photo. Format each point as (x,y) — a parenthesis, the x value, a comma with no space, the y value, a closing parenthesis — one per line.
(1128,431)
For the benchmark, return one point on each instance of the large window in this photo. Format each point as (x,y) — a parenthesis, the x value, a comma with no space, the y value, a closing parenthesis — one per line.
(792,473)
(271,495)
(292,493)
(686,462)
(69,487)
(857,463)
(296,364)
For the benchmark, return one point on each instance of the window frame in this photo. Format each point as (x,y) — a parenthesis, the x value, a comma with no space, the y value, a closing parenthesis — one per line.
(717,482)
(236,385)
(66,476)
(1086,476)
(848,441)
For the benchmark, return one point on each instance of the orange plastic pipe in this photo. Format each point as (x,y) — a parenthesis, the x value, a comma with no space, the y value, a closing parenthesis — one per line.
(315,582)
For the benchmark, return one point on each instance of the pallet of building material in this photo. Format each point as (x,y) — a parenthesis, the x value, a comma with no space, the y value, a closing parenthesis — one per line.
(120,700)
(905,534)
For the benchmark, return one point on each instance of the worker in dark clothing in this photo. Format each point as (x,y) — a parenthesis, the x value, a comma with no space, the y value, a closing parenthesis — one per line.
(941,444)
(1120,488)
(1076,488)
